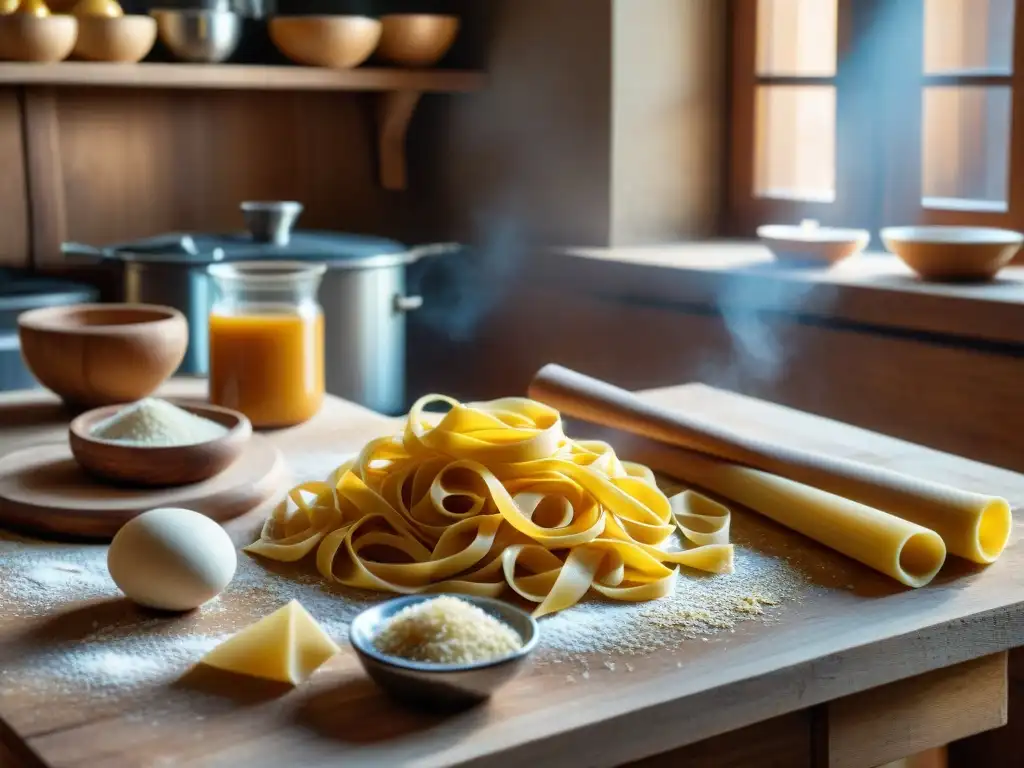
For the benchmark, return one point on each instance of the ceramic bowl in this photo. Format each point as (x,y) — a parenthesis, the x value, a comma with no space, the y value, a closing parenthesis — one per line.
(440,685)
(338,42)
(164,465)
(101,354)
(115,38)
(416,39)
(946,253)
(37,38)
(809,243)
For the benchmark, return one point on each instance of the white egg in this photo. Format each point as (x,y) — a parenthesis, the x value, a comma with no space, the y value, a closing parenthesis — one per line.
(171,559)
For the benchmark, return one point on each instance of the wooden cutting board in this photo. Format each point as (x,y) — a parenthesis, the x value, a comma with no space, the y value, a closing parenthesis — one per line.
(43,490)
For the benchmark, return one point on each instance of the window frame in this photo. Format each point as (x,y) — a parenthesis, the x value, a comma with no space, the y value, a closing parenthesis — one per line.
(868,195)
(904,200)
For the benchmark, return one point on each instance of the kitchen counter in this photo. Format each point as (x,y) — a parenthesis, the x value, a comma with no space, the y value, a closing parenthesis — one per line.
(871,291)
(854,672)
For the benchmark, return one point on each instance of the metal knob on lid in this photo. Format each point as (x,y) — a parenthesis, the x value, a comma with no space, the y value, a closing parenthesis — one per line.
(271,221)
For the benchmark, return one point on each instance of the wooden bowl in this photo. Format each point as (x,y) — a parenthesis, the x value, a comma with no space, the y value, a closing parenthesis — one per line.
(164,465)
(115,38)
(953,253)
(37,38)
(809,243)
(86,8)
(100,354)
(338,42)
(416,39)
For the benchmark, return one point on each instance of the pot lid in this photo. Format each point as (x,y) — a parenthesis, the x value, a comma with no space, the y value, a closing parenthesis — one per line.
(338,250)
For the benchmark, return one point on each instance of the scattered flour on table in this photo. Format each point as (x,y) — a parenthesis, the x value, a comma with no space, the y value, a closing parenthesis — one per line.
(123,648)
(701,605)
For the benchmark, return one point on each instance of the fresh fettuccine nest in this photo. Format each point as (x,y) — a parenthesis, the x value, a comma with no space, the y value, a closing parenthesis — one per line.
(495,496)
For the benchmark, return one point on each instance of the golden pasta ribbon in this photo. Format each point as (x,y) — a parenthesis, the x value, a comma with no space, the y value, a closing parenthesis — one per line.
(494,497)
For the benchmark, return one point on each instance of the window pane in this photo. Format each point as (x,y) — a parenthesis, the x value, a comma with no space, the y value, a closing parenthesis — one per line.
(968,35)
(795,142)
(797,37)
(966,147)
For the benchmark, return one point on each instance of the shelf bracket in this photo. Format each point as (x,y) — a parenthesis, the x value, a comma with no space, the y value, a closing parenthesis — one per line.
(394,111)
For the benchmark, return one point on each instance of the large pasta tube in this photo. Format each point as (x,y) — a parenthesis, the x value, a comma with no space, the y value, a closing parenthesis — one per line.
(972,525)
(908,552)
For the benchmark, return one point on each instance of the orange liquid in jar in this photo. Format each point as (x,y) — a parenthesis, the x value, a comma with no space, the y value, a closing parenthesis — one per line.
(269,367)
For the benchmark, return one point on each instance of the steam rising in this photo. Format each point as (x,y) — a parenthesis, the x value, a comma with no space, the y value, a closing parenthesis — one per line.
(755,310)
(464,287)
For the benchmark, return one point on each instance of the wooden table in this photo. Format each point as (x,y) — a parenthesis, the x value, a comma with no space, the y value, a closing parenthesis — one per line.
(856,673)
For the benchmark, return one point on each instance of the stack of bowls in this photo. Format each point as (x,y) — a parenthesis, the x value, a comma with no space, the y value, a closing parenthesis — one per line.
(343,42)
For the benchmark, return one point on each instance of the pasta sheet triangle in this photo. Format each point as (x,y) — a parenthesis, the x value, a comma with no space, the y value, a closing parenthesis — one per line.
(287,646)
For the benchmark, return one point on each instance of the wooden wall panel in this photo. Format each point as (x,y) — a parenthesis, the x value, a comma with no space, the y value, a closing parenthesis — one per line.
(667,120)
(138,163)
(14,223)
(534,148)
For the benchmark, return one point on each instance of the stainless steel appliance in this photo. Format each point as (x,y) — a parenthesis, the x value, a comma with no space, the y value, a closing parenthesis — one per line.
(19,293)
(363,295)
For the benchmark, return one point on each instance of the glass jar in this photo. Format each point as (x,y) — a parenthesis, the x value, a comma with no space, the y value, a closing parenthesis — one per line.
(267,340)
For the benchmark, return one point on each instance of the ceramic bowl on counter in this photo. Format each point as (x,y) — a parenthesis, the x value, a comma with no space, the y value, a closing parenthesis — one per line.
(115,38)
(337,42)
(810,243)
(416,39)
(199,35)
(947,253)
(102,354)
(41,38)
(440,685)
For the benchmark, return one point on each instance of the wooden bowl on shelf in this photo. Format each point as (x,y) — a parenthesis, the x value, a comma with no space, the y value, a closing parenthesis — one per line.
(115,38)
(24,37)
(338,42)
(416,39)
(161,465)
(810,244)
(107,8)
(955,254)
(100,354)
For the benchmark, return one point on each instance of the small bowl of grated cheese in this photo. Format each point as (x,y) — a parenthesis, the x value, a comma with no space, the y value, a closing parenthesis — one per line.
(155,442)
(448,650)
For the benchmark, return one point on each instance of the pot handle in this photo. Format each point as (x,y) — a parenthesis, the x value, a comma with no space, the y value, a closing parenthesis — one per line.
(407,303)
(418,252)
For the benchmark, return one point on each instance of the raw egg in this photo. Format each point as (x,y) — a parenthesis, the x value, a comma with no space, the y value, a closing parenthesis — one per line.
(171,559)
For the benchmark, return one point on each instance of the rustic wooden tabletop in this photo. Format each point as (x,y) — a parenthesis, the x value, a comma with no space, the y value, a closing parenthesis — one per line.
(848,669)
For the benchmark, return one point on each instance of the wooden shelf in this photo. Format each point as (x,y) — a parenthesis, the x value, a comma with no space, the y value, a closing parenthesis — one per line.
(399,91)
(239,77)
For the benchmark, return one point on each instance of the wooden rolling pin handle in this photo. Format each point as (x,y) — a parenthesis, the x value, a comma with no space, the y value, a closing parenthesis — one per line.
(602,403)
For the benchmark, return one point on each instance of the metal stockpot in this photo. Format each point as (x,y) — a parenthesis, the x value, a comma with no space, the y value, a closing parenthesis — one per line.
(363,296)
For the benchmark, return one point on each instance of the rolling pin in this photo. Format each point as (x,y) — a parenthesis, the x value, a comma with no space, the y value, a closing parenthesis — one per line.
(973,526)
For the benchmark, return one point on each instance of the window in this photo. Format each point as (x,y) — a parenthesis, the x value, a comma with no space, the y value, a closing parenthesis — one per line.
(874,112)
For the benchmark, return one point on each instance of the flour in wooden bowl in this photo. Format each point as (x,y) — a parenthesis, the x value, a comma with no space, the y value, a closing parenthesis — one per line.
(153,423)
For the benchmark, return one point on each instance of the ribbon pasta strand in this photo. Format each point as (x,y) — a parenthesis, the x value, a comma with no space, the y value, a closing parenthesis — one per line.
(494,497)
